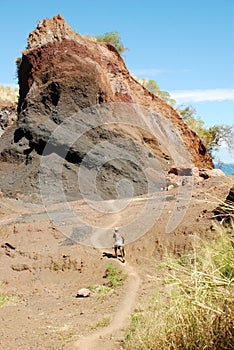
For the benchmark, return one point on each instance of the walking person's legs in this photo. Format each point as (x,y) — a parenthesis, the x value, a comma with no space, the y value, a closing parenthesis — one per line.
(116,251)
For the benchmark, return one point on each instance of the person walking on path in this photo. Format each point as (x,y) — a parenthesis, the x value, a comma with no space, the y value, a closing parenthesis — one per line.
(119,243)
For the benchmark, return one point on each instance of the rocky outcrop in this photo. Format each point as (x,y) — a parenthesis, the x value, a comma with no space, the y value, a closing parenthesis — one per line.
(68,81)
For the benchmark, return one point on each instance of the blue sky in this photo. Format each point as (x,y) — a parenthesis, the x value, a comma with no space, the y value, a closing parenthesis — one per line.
(187,46)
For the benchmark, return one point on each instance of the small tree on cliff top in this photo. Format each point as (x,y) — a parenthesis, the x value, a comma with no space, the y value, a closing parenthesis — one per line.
(112,38)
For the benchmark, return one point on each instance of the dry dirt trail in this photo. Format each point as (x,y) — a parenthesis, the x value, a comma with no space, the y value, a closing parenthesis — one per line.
(44,270)
(104,338)
(108,337)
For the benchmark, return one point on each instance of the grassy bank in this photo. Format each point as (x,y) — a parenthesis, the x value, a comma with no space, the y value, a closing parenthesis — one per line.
(194,306)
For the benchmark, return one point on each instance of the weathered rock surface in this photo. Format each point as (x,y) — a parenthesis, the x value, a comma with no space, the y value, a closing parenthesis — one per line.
(108,122)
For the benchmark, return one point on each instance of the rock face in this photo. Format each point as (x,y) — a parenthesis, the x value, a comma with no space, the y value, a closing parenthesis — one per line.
(79,103)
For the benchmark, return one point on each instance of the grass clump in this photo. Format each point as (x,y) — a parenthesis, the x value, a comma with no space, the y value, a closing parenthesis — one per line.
(194,308)
(3,297)
(114,279)
(104,322)
(101,291)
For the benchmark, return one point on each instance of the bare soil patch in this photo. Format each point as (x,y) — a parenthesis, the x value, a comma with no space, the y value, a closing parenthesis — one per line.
(41,274)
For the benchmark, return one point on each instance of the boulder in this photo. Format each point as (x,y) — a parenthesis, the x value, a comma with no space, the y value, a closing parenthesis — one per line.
(80,108)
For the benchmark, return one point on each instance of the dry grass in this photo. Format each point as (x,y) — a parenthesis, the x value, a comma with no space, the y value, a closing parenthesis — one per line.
(104,322)
(194,309)
(9,94)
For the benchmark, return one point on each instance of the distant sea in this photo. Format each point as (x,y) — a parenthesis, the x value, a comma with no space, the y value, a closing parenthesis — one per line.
(227,168)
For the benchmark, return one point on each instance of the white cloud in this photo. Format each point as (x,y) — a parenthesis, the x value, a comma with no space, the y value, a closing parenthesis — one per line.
(182,96)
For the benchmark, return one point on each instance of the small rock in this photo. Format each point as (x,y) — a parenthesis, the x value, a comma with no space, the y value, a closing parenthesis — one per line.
(83,293)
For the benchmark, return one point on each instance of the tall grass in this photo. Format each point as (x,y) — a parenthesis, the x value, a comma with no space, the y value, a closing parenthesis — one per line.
(194,307)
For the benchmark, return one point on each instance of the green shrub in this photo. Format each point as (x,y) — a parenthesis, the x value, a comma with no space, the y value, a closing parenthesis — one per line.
(115,277)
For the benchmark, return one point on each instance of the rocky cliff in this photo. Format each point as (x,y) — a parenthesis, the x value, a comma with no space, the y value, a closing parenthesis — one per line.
(79,103)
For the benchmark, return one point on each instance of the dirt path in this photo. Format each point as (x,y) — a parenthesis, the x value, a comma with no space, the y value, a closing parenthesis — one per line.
(104,338)
(110,336)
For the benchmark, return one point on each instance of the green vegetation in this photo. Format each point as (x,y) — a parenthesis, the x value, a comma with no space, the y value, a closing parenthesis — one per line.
(212,137)
(104,322)
(101,291)
(112,38)
(153,87)
(194,307)
(115,278)
(3,297)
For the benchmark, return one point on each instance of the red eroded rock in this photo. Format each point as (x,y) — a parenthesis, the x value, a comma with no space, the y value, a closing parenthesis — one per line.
(62,74)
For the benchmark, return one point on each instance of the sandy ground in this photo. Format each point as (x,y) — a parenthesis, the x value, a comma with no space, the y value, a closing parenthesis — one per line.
(41,270)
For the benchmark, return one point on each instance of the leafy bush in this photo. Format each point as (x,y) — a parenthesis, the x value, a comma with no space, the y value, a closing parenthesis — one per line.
(112,38)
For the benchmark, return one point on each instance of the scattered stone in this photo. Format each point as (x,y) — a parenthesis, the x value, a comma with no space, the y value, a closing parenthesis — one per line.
(20,267)
(8,245)
(170,187)
(83,293)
